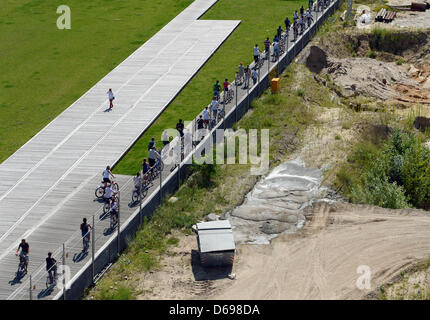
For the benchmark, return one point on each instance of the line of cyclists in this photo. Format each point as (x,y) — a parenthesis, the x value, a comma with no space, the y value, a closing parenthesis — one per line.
(210,116)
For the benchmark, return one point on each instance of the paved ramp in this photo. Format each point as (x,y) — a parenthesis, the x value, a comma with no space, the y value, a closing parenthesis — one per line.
(69,154)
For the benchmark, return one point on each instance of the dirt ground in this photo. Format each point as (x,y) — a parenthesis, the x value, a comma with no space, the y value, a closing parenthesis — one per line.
(320,262)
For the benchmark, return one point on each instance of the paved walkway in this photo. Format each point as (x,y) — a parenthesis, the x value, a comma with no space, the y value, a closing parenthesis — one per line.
(44,183)
(68,209)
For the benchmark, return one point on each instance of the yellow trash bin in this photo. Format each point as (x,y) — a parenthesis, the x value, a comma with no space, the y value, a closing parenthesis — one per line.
(276,85)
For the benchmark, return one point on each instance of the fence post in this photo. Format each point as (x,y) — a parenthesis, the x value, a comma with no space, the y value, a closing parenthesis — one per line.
(119,222)
(235,110)
(93,231)
(161,192)
(31,288)
(64,272)
(140,207)
(179,174)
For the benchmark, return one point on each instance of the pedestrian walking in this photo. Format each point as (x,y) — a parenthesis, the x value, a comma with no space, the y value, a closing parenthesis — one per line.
(111,98)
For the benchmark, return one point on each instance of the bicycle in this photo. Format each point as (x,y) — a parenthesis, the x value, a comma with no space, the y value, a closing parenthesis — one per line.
(221,114)
(260,62)
(139,193)
(100,190)
(21,265)
(51,279)
(86,242)
(228,96)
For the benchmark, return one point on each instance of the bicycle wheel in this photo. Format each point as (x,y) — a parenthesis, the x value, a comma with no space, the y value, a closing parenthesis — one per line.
(144,193)
(105,208)
(115,187)
(135,196)
(99,192)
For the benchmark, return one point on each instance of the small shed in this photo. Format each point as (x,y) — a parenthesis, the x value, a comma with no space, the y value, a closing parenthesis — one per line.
(216,243)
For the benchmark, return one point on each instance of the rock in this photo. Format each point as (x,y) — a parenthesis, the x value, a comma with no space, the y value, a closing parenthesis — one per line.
(422,123)
(212,217)
(427,84)
(316,60)
(173,199)
(274,227)
(232,276)
(292,218)
(413,70)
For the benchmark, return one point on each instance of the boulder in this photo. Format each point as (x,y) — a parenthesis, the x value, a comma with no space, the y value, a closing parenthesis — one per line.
(422,123)
(316,60)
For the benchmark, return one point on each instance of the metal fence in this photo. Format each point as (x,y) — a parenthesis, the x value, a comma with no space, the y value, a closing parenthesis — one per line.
(101,253)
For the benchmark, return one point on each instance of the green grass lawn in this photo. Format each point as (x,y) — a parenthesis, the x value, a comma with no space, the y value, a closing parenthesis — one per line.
(260,18)
(44,70)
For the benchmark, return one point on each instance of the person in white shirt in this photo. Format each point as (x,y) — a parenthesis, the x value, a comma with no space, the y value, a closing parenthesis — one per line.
(256,53)
(108,194)
(153,155)
(165,137)
(111,98)
(107,173)
(206,117)
(214,107)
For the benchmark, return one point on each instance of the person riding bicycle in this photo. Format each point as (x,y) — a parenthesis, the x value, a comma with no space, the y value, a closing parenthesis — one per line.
(153,155)
(109,193)
(145,167)
(113,211)
(51,267)
(25,251)
(267,46)
(217,89)
(107,174)
(85,232)
(137,182)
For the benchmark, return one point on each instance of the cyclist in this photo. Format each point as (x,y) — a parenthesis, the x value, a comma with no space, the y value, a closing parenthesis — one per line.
(107,174)
(287,25)
(113,211)
(225,85)
(153,155)
(51,267)
(85,232)
(241,72)
(137,182)
(145,166)
(151,144)
(256,54)
(25,251)
(267,47)
(108,194)
(217,89)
